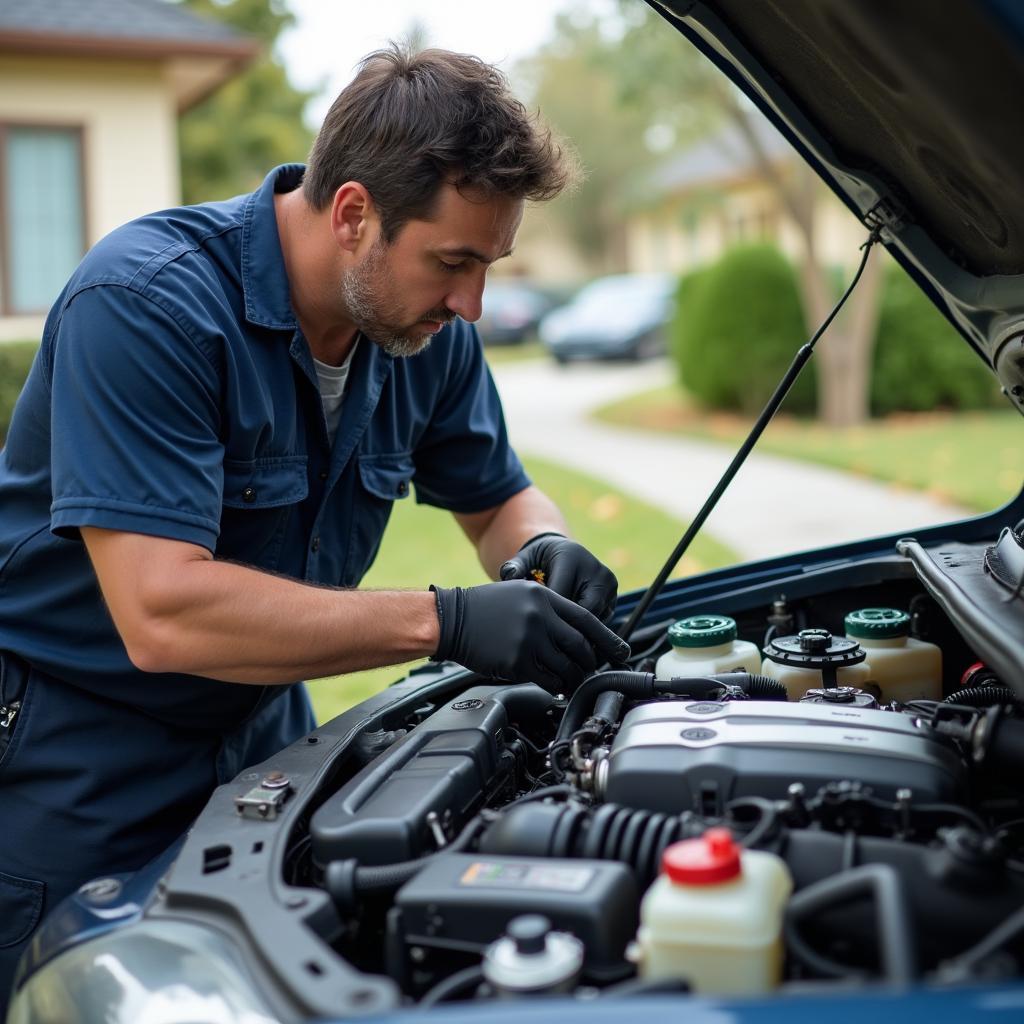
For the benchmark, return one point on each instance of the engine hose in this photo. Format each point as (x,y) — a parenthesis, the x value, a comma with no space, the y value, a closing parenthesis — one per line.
(644,686)
(610,832)
(635,685)
(764,688)
(895,939)
(346,880)
(982,696)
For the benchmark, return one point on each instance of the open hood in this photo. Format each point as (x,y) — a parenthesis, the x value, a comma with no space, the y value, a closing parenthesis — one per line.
(911,111)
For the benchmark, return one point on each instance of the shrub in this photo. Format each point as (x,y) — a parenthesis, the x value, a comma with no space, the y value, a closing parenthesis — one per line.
(737,326)
(15,360)
(921,362)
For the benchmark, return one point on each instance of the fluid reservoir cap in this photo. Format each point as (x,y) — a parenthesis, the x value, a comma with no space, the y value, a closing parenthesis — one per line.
(877,623)
(715,857)
(814,648)
(531,957)
(702,631)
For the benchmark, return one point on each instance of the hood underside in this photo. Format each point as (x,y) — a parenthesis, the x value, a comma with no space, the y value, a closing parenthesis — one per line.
(911,112)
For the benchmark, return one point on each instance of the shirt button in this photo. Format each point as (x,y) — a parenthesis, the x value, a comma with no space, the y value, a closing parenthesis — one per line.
(323,474)
(314,544)
(403,489)
(249,495)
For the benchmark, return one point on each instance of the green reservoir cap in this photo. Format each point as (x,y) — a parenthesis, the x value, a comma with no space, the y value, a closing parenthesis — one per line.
(702,631)
(877,623)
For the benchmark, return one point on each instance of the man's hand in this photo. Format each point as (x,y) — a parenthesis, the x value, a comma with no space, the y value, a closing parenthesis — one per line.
(523,632)
(568,569)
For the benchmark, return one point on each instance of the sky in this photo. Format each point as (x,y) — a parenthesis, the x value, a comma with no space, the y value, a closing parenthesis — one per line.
(331,36)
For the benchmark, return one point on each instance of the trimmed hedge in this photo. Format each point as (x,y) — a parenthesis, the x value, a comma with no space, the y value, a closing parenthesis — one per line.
(15,361)
(921,362)
(737,326)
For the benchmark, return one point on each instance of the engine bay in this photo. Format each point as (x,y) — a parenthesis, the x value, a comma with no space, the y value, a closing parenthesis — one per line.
(457,839)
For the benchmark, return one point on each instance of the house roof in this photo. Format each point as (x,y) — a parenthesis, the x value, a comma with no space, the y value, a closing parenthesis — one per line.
(200,53)
(722,157)
(168,27)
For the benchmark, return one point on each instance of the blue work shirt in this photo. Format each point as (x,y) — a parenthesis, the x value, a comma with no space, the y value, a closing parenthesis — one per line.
(175,395)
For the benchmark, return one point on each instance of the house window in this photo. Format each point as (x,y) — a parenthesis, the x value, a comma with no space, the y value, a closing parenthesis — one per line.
(42,216)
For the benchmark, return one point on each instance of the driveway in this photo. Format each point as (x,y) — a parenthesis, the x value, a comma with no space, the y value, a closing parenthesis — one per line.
(774,506)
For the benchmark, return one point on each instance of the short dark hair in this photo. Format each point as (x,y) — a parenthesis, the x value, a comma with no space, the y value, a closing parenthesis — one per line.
(408,122)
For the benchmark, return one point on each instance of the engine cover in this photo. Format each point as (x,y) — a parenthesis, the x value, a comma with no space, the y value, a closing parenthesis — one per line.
(685,755)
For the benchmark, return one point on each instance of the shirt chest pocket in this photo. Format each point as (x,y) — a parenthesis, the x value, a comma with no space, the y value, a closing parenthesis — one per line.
(383,479)
(260,496)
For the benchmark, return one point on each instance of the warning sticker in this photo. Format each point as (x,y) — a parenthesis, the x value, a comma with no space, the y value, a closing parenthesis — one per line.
(498,875)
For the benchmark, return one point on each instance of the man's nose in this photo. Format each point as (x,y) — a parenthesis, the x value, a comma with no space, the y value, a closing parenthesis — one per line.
(467,298)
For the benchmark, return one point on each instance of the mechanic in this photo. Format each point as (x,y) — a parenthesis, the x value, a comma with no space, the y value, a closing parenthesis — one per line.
(227,400)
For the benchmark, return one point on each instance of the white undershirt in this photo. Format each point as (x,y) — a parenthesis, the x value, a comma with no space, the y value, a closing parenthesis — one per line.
(332,389)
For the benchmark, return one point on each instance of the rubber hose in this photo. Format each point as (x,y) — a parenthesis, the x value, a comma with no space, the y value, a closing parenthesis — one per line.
(636,685)
(764,688)
(982,696)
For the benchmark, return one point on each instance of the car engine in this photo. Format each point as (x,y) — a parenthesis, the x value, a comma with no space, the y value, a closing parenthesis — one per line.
(495,840)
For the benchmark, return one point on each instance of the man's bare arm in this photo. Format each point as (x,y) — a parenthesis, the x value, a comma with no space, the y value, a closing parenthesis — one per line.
(178,609)
(498,533)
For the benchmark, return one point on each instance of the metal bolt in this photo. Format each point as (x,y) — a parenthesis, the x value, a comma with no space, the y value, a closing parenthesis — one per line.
(275,780)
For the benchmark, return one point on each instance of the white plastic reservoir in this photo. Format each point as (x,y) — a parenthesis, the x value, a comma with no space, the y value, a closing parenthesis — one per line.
(705,644)
(799,662)
(902,667)
(714,916)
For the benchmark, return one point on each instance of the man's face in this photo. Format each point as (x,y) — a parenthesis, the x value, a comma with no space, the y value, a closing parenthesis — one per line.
(400,295)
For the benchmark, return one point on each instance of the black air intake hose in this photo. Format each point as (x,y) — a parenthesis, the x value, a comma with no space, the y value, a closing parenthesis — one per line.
(635,837)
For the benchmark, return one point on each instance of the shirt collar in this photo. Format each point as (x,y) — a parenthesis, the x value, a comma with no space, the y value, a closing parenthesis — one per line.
(264,279)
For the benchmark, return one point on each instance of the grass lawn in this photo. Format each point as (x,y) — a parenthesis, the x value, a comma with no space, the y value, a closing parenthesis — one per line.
(971,458)
(424,545)
(496,355)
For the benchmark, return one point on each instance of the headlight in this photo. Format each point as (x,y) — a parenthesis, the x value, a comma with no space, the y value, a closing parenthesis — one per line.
(155,972)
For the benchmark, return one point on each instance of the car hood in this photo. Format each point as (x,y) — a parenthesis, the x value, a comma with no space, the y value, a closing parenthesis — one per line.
(911,112)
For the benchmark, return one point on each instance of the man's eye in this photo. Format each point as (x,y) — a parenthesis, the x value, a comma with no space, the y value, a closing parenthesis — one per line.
(450,268)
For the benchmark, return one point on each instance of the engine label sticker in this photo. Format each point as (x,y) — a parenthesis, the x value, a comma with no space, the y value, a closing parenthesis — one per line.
(496,875)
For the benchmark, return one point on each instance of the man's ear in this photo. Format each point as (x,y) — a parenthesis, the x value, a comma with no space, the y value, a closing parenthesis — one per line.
(353,216)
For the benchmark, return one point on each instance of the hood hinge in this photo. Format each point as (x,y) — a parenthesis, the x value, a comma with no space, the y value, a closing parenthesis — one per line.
(886,215)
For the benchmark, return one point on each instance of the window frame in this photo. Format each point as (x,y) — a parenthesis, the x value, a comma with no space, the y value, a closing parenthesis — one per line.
(78,130)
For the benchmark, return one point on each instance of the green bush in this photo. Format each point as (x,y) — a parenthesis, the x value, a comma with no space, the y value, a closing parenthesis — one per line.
(737,326)
(15,360)
(921,362)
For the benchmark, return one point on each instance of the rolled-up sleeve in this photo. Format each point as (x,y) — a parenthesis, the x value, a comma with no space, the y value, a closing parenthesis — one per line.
(464,462)
(135,423)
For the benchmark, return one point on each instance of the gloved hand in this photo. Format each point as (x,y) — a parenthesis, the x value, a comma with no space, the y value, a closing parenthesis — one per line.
(523,632)
(568,569)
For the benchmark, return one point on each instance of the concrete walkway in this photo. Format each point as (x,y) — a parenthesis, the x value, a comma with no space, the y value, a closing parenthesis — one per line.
(774,506)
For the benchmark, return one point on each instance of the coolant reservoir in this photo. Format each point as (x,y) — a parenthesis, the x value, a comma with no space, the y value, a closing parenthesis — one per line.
(714,916)
(814,659)
(704,644)
(902,667)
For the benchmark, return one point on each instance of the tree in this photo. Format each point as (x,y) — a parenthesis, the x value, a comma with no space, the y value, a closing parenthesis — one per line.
(680,88)
(230,140)
(569,79)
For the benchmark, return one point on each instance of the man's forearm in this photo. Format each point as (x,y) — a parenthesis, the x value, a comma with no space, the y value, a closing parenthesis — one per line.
(523,516)
(179,610)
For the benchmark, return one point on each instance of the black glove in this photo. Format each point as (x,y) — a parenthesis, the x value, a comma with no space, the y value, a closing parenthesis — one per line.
(523,632)
(568,569)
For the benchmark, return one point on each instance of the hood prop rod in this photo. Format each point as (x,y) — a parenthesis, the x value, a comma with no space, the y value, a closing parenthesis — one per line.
(803,354)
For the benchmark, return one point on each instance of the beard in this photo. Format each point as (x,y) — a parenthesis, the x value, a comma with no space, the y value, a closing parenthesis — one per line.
(367,291)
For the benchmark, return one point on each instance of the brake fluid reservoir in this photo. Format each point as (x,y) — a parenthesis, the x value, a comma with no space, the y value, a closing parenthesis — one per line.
(814,659)
(903,667)
(704,644)
(714,916)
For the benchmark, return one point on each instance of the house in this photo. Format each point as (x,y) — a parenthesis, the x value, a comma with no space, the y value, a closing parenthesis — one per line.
(711,196)
(90,94)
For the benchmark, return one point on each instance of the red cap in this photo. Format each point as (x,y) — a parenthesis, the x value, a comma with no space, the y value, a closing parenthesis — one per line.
(715,857)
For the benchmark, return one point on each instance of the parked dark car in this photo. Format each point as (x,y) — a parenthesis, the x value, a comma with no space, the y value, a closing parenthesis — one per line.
(622,316)
(511,312)
(454,839)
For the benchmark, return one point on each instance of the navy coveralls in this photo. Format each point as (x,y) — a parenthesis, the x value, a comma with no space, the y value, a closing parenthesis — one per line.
(174,395)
